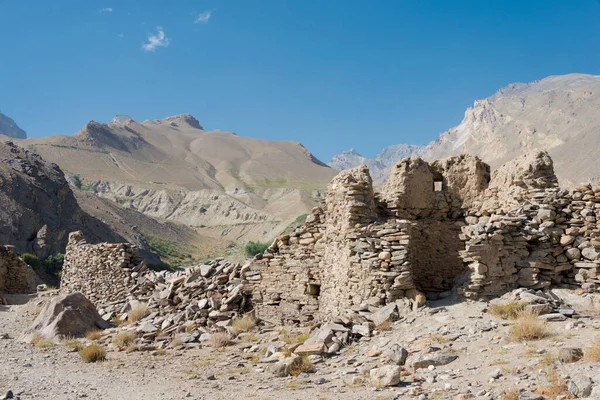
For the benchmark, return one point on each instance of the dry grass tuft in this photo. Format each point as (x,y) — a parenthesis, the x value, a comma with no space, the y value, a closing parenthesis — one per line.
(527,326)
(593,352)
(293,339)
(74,344)
(506,311)
(305,365)
(123,338)
(243,324)
(556,385)
(440,339)
(176,342)
(138,312)
(94,334)
(41,342)
(511,396)
(219,340)
(92,353)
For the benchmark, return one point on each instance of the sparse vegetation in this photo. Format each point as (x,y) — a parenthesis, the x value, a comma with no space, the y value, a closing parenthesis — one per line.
(305,365)
(556,384)
(123,338)
(242,324)
(94,334)
(292,339)
(593,352)
(138,312)
(528,326)
(41,342)
(171,252)
(92,353)
(506,311)
(219,340)
(74,344)
(514,395)
(51,265)
(254,248)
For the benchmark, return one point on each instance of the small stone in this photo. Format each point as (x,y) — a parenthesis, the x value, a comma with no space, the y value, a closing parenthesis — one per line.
(570,354)
(425,360)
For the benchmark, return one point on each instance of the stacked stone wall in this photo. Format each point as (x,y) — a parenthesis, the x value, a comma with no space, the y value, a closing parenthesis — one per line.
(105,272)
(15,275)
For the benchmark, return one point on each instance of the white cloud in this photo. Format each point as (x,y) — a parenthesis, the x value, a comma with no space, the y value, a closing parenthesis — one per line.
(203,17)
(121,35)
(158,40)
(107,9)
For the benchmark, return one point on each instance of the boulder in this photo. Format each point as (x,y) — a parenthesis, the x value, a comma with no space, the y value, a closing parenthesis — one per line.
(396,354)
(68,315)
(388,375)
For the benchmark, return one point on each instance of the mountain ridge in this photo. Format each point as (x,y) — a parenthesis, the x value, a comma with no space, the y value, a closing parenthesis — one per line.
(557,113)
(9,127)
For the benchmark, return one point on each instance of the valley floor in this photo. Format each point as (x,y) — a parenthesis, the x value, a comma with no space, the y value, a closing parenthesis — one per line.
(489,365)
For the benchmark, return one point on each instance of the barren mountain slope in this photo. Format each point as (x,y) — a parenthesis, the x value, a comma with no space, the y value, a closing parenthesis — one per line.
(558,113)
(223,185)
(38,209)
(9,128)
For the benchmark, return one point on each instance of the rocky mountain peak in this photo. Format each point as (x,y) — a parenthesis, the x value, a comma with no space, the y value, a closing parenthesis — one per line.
(183,119)
(9,128)
(121,119)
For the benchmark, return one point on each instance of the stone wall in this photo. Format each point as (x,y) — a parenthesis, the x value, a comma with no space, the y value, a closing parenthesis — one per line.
(433,228)
(15,275)
(102,272)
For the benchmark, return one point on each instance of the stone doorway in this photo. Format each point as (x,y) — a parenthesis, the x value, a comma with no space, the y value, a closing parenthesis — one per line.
(434,255)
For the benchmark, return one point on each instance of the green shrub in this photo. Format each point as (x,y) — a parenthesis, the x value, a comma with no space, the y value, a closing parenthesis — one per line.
(162,266)
(254,248)
(54,264)
(77,181)
(32,261)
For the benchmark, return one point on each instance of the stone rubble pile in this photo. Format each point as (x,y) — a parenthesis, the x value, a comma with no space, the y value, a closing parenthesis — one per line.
(551,237)
(118,282)
(545,303)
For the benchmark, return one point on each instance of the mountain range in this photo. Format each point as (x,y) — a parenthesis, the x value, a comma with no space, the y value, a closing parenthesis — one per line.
(218,188)
(180,191)
(558,114)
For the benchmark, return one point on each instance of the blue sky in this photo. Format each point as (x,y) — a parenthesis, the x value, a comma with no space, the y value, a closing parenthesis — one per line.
(330,74)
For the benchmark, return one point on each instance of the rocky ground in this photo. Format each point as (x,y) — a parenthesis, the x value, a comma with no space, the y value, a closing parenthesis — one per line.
(474,351)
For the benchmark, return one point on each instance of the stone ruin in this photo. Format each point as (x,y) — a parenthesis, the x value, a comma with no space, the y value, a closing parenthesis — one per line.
(434,230)
(15,275)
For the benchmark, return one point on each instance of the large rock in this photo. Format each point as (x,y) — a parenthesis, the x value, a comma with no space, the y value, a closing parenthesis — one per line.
(66,315)
(388,375)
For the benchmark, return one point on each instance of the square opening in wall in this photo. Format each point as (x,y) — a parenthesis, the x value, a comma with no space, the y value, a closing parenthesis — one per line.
(314,289)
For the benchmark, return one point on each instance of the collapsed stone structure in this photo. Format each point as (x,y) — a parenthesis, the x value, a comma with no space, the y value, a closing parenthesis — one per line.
(433,227)
(15,275)
(116,279)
